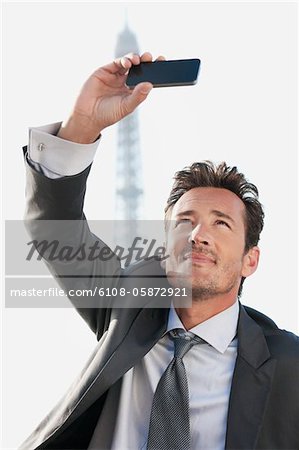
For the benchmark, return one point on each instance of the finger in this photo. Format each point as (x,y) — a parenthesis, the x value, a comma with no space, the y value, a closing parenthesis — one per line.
(115,67)
(146,57)
(125,62)
(122,64)
(133,57)
(160,58)
(138,95)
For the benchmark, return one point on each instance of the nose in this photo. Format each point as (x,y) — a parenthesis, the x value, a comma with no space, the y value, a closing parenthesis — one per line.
(199,235)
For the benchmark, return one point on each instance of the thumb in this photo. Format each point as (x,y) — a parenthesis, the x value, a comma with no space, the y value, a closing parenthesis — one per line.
(138,95)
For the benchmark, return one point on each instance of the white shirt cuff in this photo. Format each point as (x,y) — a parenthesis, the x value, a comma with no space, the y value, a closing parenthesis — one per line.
(56,155)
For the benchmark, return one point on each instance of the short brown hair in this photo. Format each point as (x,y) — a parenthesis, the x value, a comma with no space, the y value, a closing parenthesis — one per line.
(207,174)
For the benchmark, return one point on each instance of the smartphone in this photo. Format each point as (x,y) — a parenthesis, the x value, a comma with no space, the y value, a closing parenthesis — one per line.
(178,72)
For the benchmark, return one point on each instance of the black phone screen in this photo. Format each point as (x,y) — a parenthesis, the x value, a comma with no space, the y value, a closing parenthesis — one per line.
(180,72)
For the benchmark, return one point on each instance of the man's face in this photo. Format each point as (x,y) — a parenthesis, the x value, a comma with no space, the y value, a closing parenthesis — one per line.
(206,241)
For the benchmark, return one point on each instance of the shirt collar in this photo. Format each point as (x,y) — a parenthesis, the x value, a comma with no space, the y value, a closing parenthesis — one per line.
(218,331)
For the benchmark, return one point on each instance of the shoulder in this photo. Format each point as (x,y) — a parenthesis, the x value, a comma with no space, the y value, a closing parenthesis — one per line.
(281,343)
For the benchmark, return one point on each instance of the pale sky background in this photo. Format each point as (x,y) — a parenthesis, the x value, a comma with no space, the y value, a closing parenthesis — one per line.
(243,110)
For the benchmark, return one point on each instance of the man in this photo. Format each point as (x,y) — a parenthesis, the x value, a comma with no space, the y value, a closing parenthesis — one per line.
(209,375)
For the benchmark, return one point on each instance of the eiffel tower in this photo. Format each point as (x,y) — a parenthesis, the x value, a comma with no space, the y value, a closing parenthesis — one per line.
(129,190)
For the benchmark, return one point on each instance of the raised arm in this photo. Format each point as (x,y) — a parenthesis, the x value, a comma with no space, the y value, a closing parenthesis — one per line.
(104,100)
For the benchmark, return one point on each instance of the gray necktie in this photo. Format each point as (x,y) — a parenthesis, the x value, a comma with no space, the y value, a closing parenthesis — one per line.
(169,422)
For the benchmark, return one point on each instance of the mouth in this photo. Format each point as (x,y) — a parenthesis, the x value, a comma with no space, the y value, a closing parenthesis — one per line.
(199,258)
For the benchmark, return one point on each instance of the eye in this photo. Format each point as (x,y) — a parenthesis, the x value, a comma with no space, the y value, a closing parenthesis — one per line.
(222,223)
(182,221)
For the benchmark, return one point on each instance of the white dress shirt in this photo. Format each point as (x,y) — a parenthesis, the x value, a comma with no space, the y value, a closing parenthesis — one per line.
(209,367)
(56,157)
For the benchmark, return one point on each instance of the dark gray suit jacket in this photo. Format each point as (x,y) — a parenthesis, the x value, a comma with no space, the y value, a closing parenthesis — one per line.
(264,400)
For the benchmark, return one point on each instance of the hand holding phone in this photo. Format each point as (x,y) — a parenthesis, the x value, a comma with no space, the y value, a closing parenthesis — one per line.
(179,72)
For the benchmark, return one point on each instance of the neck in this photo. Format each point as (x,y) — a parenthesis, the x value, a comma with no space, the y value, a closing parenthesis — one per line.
(202,310)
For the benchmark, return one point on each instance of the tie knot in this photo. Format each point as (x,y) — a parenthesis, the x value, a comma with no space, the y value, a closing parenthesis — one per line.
(183,342)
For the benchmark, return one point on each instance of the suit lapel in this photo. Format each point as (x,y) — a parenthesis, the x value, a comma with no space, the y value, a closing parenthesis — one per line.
(251,385)
(147,328)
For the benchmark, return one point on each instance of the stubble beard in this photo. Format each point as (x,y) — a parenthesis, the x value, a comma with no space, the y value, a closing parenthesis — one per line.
(207,289)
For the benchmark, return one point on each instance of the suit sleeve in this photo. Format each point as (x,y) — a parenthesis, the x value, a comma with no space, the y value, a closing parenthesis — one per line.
(54,214)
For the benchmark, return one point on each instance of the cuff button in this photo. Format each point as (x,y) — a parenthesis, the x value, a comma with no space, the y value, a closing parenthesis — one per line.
(41,147)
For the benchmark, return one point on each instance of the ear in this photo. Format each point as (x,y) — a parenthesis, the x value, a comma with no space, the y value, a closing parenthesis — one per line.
(250,261)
